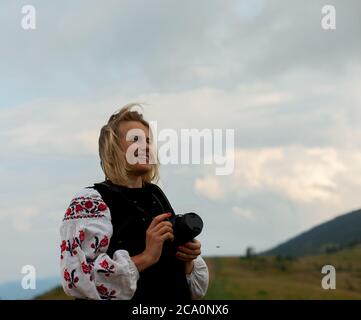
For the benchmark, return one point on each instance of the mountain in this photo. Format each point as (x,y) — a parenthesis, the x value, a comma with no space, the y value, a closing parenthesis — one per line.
(13,290)
(341,232)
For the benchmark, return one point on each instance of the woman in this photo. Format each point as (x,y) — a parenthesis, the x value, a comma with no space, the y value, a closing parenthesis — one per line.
(117,242)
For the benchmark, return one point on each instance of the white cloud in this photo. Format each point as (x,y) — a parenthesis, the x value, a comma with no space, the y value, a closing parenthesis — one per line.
(243,213)
(322,176)
(29,135)
(210,187)
(21,216)
(88,139)
(75,125)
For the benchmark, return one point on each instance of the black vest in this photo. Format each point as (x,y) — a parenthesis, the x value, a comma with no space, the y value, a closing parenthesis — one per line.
(166,279)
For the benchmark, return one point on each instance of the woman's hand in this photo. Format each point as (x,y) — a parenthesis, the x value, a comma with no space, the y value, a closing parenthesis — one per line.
(157,232)
(188,252)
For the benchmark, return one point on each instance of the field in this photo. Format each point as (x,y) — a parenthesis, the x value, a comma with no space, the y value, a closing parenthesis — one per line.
(277,278)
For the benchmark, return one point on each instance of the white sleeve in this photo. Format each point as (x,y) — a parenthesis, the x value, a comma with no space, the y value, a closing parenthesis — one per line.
(198,279)
(86,270)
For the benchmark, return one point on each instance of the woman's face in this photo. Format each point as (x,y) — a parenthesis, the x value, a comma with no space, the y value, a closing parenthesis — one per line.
(135,141)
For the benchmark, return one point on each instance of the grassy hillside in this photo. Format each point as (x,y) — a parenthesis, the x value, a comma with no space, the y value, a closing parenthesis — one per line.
(331,236)
(278,278)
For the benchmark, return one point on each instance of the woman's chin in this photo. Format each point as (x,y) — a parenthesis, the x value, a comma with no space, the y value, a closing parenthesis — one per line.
(141,169)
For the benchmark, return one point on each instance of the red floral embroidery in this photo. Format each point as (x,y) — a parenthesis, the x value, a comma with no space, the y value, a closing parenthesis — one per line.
(104,242)
(104,292)
(81,235)
(71,247)
(62,248)
(102,206)
(104,264)
(107,269)
(66,275)
(88,204)
(68,212)
(97,245)
(71,278)
(86,267)
(85,207)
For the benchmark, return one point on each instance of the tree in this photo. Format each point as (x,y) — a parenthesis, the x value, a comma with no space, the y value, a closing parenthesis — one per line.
(250,252)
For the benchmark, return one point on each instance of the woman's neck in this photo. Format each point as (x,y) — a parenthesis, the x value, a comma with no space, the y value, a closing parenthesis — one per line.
(134,182)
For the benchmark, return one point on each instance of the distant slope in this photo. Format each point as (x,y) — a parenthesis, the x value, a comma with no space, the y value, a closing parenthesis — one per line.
(13,290)
(338,233)
(56,293)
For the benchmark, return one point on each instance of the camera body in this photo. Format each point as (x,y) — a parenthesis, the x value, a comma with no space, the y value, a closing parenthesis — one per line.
(185,227)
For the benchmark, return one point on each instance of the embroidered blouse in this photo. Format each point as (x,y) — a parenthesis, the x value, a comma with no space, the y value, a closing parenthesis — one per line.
(87,271)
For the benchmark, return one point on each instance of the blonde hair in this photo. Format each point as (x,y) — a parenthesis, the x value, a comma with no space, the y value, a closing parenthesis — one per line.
(112,157)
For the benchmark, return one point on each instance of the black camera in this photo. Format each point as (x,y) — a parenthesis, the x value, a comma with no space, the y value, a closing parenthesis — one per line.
(185,227)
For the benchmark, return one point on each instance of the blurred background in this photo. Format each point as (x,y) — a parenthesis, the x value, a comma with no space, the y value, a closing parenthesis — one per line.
(267,69)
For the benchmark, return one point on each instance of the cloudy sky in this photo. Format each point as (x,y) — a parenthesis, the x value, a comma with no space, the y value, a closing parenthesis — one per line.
(267,69)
